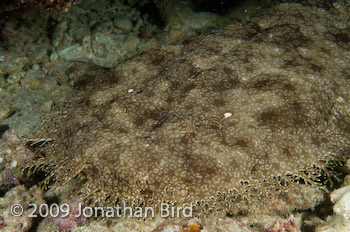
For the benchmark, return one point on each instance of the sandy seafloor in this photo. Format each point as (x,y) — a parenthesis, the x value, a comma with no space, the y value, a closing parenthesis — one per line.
(37,47)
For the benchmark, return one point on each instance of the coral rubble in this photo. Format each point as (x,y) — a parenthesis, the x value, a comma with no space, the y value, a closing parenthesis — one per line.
(224,121)
(13,154)
(340,220)
(58,5)
(22,198)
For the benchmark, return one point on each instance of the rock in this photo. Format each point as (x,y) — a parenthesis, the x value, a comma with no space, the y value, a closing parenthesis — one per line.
(5,111)
(339,193)
(15,65)
(123,22)
(17,201)
(32,83)
(15,78)
(342,206)
(13,155)
(340,222)
(3,83)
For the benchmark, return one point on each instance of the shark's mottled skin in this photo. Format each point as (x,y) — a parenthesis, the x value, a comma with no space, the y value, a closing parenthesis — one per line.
(253,110)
